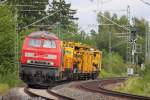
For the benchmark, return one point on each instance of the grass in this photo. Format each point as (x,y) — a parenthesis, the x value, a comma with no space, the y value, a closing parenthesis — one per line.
(12,79)
(138,85)
(114,66)
(8,81)
(105,74)
(134,85)
(4,88)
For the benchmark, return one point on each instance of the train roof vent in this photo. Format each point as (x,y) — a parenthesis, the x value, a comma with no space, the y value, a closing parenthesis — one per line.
(43,34)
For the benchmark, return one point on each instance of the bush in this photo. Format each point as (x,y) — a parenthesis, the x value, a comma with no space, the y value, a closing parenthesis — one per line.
(8,70)
(113,64)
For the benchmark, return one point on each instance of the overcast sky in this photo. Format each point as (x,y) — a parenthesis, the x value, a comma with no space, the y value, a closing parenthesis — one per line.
(87,15)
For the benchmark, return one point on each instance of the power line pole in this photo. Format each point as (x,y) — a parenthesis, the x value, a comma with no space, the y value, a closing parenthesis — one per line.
(110,42)
(147,46)
(128,52)
(16,40)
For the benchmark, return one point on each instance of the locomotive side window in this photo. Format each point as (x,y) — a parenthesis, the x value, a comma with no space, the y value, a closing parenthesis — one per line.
(35,43)
(49,44)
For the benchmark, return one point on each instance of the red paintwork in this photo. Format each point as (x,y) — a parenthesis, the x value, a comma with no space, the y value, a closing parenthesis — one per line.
(40,52)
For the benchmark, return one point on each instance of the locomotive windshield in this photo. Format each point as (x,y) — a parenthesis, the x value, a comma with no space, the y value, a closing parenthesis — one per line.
(49,44)
(35,42)
(42,43)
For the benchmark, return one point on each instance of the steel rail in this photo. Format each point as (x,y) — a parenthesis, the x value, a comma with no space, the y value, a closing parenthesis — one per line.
(61,97)
(99,87)
(49,91)
(31,94)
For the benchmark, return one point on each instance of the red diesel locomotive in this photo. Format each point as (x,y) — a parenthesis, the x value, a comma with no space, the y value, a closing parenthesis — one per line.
(41,58)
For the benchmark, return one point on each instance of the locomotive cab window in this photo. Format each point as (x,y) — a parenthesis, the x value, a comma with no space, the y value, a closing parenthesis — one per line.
(35,42)
(49,44)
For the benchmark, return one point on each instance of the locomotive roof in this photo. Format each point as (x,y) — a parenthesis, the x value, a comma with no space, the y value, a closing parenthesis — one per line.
(43,34)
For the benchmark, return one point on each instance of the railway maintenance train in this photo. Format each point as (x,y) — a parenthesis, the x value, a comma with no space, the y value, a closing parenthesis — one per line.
(45,59)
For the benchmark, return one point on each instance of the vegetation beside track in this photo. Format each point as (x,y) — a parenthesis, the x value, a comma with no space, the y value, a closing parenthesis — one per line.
(3,89)
(8,70)
(113,65)
(138,85)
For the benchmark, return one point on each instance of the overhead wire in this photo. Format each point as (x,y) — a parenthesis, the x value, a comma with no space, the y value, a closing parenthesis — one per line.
(113,22)
(39,20)
(145,2)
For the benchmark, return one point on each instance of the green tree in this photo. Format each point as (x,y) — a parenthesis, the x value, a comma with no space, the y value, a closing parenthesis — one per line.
(101,20)
(7,44)
(109,30)
(140,25)
(61,13)
(30,11)
(114,64)
(119,44)
(92,32)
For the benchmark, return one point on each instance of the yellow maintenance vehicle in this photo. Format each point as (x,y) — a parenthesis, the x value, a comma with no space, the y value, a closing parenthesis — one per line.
(82,60)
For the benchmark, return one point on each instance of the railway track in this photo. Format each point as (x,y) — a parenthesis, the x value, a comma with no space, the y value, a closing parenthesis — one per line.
(95,86)
(98,86)
(46,94)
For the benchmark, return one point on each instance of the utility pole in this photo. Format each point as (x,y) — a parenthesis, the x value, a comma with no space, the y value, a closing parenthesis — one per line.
(128,52)
(110,37)
(110,46)
(147,46)
(148,42)
(16,40)
(58,29)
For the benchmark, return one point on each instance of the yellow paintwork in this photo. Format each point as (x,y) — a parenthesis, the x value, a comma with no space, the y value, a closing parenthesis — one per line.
(88,59)
(68,57)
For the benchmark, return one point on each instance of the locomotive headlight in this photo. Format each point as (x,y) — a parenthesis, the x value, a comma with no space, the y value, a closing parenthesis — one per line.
(52,63)
(28,54)
(28,61)
(52,56)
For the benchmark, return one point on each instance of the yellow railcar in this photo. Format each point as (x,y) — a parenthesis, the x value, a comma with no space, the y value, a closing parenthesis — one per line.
(82,60)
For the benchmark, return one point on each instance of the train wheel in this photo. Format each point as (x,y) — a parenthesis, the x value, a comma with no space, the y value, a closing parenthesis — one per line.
(88,76)
(30,86)
(75,76)
(93,76)
(84,77)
